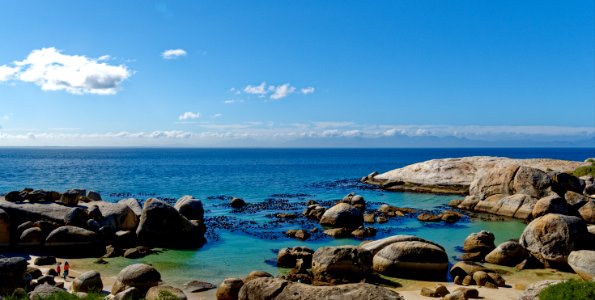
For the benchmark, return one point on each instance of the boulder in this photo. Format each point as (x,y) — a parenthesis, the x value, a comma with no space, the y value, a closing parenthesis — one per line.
(162,225)
(116,215)
(190,208)
(337,233)
(509,253)
(587,212)
(429,217)
(137,252)
(437,292)
(466,268)
(24,226)
(94,213)
(4,228)
(412,259)
(70,198)
(531,181)
(237,203)
(140,276)
(161,292)
(314,211)
(44,261)
(552,237)
(34,272)
(298,234)
(45,291)
(583,263)
(551,204)
(377,245)
(566,182)
(229,289)
(342,215)
(532,291)
(46,279)
(258,274)
(482,242)
(31,237)
(356,201)
(12,272)
(195,286)
(361,232)
(25,211)
(133,204)
(87,282)
(496,180)
(338,265)
(14,196)
(518,205)
(575,200)
(76,217)
(369,218)
(276,288)
(71,236)
(94,196)
(286,258)
(129,294)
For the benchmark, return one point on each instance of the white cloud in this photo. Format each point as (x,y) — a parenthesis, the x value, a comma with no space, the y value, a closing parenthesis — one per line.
(104,57)
(282,91)
(256,90)
(233,101)
(307,90)
(173,53)
(75,74)
(189,116)
(215,116)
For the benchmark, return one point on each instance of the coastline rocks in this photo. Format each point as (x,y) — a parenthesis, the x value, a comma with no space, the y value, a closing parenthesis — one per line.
(356,201)
(338,265)
(583,263)
(158,292)
(140,276)
(162,225)
(519,206)
(551,204)
(4,228)
(552,237)
(190,208)
(314,211)
(12,271)
(509,253)
(276,288)
(88,281)
(71,236)
(25,211)
(412,259)
(116,215)
(70,198)
(237,203)
(480,243)
(587,212)
(31,237)
(133,204)
(229,289)
(45,291)
(287,257)
(342,215)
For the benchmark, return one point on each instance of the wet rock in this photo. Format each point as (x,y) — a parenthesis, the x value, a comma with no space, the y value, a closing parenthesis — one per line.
(158,292)
(338,265)
(230,288)
(449,216)
(552,237)
(140,276)
(196,286)
(413,259)
(429,217)
(362,232)
(298,234)
(356,201)
(237,203)
(551,204)
(287,257)
(368,218)
(190,208)
(381,219)
(342,215)
(509,253)
(314,212)
(87,282)
(583,263)
(390,211)
(337,233)
(275,288)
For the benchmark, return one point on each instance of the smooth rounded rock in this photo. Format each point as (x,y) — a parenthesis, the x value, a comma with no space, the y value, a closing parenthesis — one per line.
(229,289)
(342,215)
(88,282)
(190,208)
(338,265)
(140,276)
(412,259)
(509,253)
(162,292)
(583,263)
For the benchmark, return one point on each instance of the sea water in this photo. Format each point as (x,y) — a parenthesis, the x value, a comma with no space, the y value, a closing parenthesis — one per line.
(274,176)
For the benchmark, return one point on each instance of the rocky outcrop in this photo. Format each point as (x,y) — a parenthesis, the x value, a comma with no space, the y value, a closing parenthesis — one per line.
(139,276)
(342,215)
(338,265)
(509,253)
(478,245)
(12,272)
(46,291)
(279,289)
(356,201)
(71,236)
(190,208)
(161,292)
(115,215)
(162,225)
(552,237)
(229,289)
(583,263)
(88,281)
(287,257)
(412,259)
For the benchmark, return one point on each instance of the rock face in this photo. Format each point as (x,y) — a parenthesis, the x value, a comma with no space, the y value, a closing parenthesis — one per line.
(116,215)
(4,228)
(338,265)
(88,281)
(480,243)
(552,237)
(71,236)
(12,271)
(132,204)
(412,259)
(509,253)
(551,204)
(455,175)
(342,215)
(275,288)
(162,225)
(287,257)
(583,263)
(140,276)
(22,212)
(190,208)
(157,293)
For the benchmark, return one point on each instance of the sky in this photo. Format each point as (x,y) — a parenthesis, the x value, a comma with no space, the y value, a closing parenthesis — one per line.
(297,73)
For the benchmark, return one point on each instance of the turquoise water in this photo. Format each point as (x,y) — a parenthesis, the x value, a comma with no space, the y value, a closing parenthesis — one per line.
(239,242)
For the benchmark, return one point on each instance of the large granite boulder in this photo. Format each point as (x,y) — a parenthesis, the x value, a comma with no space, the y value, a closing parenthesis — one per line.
(70,198)
(356,201)
(575,200)
(229,289)
(133,204)
(162,292)
(280,289)
(412,259)
(116,215)
(287,257)
(338,265)
(583,263)
(4,228)
(12,272)
(71,236)
(531,181)
(87,282)
(190,208)
(551,205)
(342,215)
(509,253)
(76,217)
(140,276)
(552,237)
(518,205)
(587,212)
(46,291)
(494,181)
(377,245)
(480,243)
(25,211)
(31,237)
(162,225)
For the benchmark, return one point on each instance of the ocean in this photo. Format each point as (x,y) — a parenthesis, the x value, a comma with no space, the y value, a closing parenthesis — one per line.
(275,180)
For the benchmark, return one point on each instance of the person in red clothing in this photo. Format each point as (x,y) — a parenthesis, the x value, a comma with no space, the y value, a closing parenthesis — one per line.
(58,269)
(66,269)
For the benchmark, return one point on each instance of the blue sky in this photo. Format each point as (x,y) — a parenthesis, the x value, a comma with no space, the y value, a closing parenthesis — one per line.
(297,73)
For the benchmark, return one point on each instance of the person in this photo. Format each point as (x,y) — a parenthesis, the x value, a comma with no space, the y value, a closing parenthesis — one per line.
(66,269)
(28,279)
(58,269)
